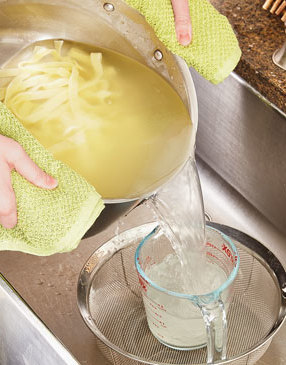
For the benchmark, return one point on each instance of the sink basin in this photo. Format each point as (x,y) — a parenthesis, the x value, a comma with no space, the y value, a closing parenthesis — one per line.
(24,339)
(241,160)
(242,137)
(241,153)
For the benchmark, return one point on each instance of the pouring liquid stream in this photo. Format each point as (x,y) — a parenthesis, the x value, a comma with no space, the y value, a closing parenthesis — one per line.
(178,207)
(180,212)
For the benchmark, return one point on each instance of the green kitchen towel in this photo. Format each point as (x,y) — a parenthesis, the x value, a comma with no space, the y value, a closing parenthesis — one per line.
(49,221)
(214,51)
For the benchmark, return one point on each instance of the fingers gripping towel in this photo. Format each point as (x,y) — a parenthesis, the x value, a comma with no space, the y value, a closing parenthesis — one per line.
(49,221)
(214,51)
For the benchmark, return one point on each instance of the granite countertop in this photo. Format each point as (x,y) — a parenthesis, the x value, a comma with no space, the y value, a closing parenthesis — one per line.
(259,34)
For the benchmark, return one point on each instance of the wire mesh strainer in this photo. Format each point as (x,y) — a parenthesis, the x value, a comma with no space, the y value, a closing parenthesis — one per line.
(111,304)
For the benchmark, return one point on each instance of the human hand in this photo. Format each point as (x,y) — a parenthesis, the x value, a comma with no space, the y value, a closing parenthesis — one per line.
(182,21)
(13,156)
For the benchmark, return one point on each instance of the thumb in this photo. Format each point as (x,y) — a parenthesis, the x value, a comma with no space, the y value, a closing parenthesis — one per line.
(22,163)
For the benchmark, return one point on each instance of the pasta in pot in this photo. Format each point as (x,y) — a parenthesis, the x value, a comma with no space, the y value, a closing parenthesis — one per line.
(116,122)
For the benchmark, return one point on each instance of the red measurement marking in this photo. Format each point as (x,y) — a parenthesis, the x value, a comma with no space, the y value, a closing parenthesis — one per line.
(162,323)
(158,315)
(212,255)
(152,305)
(208,244)
(158,321)
(156,305)
(144,284)
(162,308)
(148,260)
(155,325)
(228,253)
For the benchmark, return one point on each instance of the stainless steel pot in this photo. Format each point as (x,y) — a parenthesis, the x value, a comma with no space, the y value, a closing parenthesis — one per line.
(113,25)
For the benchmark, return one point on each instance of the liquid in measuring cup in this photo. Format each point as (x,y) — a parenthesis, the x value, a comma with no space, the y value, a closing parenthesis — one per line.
(178,324)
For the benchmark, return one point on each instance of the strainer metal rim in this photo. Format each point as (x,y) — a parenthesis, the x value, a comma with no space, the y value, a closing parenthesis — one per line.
(261,253)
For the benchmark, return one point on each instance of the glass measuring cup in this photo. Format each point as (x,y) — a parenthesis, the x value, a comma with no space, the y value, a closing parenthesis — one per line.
(188,321)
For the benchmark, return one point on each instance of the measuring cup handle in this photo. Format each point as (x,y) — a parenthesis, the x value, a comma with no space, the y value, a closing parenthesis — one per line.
(214,315)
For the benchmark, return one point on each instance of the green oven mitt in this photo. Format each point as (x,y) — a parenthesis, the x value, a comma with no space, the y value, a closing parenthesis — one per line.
(49,221)
(214,51)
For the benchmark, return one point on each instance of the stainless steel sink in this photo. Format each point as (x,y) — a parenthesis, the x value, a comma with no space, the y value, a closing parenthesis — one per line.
(241,154)
(24,339)
(242,137)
